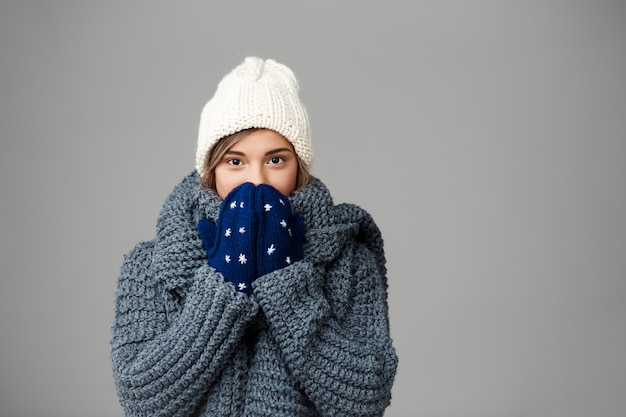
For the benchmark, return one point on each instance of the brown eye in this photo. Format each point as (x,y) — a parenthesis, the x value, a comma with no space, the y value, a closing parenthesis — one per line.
(275,160)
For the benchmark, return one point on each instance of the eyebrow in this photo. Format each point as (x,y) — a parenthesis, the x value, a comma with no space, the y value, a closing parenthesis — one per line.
(270,152)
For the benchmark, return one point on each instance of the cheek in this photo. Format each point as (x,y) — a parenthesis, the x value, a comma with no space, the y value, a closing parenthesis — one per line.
(225,182)
(285,183)
(222,190)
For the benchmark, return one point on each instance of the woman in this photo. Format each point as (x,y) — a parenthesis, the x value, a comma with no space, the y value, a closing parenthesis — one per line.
(258,296)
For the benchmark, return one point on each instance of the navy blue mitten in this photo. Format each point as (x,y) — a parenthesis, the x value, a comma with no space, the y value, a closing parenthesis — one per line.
(256,233)
(230,244)
(280,234)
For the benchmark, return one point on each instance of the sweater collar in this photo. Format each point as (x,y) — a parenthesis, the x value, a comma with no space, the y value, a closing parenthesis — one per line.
(179,251)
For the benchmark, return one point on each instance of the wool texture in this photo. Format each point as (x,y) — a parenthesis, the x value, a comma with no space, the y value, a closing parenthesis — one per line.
(312,339)
(257,93)
(256,233)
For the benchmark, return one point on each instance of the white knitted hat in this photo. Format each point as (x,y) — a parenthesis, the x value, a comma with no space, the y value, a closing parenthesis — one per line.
(256,94)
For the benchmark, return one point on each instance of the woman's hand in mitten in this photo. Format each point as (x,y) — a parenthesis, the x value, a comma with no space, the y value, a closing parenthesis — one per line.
(230,243)
(280,234)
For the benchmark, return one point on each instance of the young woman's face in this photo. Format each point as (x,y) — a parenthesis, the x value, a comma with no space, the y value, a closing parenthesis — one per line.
(261,157)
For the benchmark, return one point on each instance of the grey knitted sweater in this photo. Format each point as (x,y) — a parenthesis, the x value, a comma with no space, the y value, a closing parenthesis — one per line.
(311,340)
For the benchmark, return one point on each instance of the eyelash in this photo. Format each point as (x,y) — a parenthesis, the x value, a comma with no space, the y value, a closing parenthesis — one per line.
(271,161)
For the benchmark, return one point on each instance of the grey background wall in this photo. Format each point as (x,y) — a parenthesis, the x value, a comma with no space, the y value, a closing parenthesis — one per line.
(487,138)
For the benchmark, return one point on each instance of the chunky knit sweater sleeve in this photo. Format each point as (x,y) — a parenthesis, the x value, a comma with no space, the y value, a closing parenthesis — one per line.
(169,344)
(328,313)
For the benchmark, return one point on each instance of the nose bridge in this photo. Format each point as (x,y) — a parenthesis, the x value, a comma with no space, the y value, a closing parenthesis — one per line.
(256,174)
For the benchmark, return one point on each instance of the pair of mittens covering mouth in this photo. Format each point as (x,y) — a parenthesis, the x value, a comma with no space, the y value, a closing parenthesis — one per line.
(256,233)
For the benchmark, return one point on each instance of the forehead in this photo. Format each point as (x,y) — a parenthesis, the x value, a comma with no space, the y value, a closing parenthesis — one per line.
(261,140)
